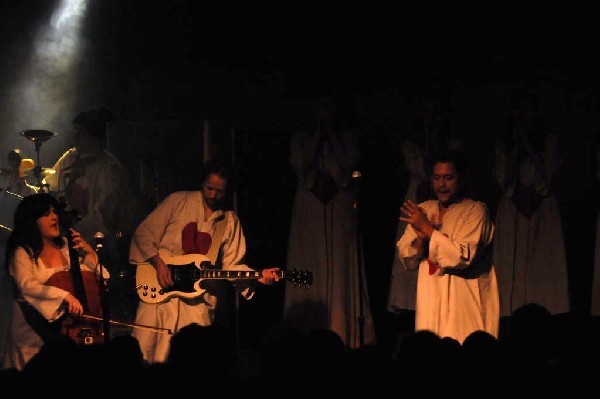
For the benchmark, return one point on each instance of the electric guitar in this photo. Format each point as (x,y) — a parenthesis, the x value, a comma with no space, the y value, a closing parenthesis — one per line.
(188,271)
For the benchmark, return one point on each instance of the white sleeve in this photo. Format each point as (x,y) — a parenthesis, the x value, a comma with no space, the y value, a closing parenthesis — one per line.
(473,235)
(145,241)
(46,299)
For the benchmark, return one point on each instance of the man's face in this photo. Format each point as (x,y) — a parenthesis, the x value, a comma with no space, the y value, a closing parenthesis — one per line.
(214,189)
(445,182)
(84,141)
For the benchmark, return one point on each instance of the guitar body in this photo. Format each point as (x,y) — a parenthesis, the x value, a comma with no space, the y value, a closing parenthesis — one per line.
(188,272)
(185,270)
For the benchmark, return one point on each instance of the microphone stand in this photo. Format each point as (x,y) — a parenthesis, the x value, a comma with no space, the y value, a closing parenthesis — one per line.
(237,292)
(356,175)
(104,289)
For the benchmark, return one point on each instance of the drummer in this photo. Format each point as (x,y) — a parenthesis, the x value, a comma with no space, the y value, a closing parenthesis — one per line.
(93,181)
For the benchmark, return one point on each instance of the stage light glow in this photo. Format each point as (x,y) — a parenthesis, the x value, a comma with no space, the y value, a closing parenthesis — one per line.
(45,88)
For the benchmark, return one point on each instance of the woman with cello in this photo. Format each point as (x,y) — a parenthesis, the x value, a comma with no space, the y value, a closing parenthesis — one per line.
(39,255)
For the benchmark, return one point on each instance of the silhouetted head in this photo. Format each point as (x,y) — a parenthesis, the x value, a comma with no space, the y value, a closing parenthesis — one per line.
(90,128)
(14,159)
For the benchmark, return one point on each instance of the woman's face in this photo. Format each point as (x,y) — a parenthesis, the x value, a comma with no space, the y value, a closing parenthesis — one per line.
(48,224)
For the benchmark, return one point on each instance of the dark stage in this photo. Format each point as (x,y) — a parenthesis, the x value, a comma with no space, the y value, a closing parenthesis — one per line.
(165,68)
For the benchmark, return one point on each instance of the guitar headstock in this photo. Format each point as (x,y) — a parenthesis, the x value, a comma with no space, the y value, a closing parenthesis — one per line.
(299,278)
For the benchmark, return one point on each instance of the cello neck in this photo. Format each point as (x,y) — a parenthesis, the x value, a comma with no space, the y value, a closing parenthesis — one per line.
(75,269)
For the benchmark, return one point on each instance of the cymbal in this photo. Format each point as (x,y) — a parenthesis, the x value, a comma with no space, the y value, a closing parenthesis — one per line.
(48,171)
(9,172)
(37,135)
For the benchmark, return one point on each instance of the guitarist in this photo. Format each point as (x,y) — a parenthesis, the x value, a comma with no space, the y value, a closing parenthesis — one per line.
(190,222)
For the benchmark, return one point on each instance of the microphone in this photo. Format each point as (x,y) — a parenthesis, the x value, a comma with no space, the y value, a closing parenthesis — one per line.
(99,237)
(356,176)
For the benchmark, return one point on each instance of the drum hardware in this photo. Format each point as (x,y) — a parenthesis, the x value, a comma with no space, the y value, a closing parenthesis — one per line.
(19,196)
(3,227)
(9,201)
(38,137)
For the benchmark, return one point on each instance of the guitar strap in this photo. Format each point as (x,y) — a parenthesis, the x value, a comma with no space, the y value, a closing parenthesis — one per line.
(213,252)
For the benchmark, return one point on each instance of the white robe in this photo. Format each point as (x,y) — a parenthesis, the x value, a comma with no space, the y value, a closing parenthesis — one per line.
(462,296)
(161,231)
(529,251)
(104,195)
(323,240)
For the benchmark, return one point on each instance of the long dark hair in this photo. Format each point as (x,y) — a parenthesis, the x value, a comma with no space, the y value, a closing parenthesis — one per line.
(26,232)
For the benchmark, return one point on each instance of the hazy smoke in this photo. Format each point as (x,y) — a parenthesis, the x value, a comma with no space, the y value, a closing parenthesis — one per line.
(42,89)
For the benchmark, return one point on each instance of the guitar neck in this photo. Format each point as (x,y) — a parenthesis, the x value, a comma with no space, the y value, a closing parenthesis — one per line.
(232,274)
(188,272)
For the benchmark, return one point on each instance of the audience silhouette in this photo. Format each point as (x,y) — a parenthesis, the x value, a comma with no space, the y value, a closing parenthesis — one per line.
(539,352)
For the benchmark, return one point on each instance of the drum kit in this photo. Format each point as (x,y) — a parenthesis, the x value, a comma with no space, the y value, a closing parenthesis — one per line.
(14,186)
(38,137)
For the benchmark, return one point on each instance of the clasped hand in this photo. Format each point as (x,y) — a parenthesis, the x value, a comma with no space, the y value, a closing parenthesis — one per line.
(416,218)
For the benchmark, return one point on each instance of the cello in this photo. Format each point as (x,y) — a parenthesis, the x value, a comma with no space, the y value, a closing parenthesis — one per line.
(85,286)
(82,285)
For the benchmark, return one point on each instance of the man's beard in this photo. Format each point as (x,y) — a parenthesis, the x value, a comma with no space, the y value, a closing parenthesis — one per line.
(214,205)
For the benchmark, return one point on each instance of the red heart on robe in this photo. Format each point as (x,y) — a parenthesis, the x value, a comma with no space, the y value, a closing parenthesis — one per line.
(194,241)
(433,267)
